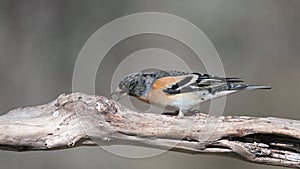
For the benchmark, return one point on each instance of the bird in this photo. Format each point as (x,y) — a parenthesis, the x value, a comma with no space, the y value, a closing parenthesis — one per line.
(178,89)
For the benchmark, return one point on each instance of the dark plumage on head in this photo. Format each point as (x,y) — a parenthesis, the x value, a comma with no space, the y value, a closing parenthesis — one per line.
(137,84)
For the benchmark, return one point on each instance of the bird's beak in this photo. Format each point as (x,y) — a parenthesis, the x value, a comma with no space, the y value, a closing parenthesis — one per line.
(118,94)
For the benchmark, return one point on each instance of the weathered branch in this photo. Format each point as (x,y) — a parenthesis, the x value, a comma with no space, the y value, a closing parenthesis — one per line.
(73,120)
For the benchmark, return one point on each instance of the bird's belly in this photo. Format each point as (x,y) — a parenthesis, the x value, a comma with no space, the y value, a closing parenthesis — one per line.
(183,101)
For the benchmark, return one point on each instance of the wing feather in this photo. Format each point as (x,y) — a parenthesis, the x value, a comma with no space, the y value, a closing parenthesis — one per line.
(197,81)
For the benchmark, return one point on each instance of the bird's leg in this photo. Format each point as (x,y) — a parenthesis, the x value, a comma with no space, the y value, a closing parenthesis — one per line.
(180,113)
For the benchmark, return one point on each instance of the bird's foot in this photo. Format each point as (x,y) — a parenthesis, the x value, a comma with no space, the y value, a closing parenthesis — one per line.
(180,114)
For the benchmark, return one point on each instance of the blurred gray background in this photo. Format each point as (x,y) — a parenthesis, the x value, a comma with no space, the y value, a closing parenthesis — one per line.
(258,40)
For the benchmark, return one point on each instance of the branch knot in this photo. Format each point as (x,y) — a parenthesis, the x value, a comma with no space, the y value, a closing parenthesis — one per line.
(103,105)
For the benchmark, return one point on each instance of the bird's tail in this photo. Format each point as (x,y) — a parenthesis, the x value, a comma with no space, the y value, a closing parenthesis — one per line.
(254,87)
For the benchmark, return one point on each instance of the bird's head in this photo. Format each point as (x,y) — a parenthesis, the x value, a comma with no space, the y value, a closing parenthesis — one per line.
(135,84)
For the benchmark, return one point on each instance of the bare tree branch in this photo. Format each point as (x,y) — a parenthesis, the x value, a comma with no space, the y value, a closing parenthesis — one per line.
(82,120)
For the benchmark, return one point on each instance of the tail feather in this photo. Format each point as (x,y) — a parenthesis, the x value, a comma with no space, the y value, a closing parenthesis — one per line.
(234,81)
(254,87)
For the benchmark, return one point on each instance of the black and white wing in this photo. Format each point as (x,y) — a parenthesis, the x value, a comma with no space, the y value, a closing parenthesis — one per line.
(194,82)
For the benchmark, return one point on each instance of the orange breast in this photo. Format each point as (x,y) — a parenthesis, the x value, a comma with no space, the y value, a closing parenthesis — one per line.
(165,82)
(156,96)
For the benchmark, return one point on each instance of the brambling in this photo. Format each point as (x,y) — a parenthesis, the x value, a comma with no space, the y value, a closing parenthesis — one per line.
(178,89)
